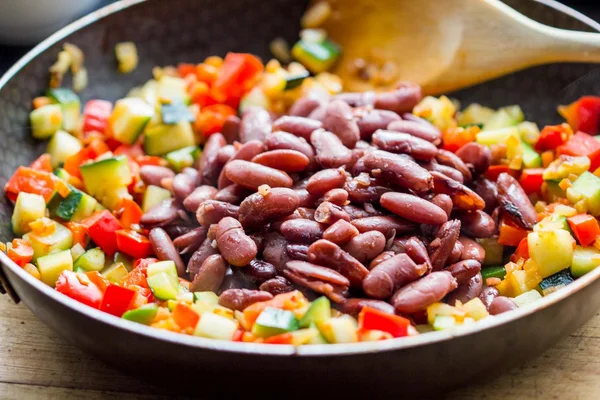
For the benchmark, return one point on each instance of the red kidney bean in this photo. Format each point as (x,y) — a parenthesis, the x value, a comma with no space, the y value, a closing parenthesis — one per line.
(462,197)
(416,250)
(239,299)
(183,186)
(189,242)
(233,243)
(356,212)
(259,239)
(255,124)
(328,254)
(251,175)
(235,279)
(403,143)
(302,230)
(305,212)
(386,255)
(471,249)
(231,129)
(331,152)
(416,296)
(246,152)
(353,306)
(305,199)
(318,114)
(444,202)
(399,244)
(364,189)
(479,156)
(384,224)
(366,246)
(323,181)
(370,120)
(277,285)
(204,251)
(320,279)
(441,247)
(303,107)
(515,202)
(487,295)
(443,169)
(233,194)
(386,277)
(257,210)
(339,197)
(456,253)
(402,99)
(424,131)
(340,121)
(284,160)
(501,305)
(297,251)
(299,126)
(153,174)
(275,251)
(477,224)
(198,196)
(211,274)
(212,211)
(340,232)
(450,159)
(165,250)
(161,214)
(328,213)
(276,225)
(193,174)
(260,271)
(400,170)
(287,141)
(357,99)
(463,271)
(225,153)
(208,164)
(488,191)
(466,291)
(413,208)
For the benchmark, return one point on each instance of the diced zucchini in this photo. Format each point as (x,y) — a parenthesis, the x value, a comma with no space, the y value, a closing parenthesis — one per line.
(558,280)
(70,104)
(475,114)
(292,81)
(339,330)
(61,146)
(75,207)
(127,56)
(563,167)
(45,121)
(167,267)
(60,239)
(553,221)
(497,136)
(493,272)
(552,191)
(172,90)
(52,265)
(107,179)
(531,158)
(148,92)
(187,297)
(28,208)
(274,321)
(475,309)
(182,158)
(318,338)
(585,259)
(316,56)
(77,251)
(530,132)
(154,195)
(255,97)
(91,260)
(129,118)
(164,286)
(143,315)
(206,297)
(215,327)
(504,118)
(527,298)
(493,251)
(162,139)
(519,282)
(124,259)
(437,309)
(319,311)
(62,174)
(551,250)
(114,272)
(442,322)
(586,188)
(176,112)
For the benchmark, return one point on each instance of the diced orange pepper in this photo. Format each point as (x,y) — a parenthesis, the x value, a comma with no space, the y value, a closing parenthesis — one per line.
(456,137)
(130,212)
(98,279)
(585,228)
(20,252)
(207,73)
(522,251)
(30,180)
(41,101)
(286,301)
(184,69)
(511,235)
(79,233)
(283,338)
(184,316)
(42,163)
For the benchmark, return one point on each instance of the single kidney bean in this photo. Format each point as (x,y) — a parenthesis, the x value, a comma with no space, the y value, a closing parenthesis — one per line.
(328,213)
(463,271)
(284,160)
(477,224)
(328,254)
(515,202)
(416,296)
(450,172)
(165,250)
(479,156)
(386,255)
(400,170)
(212,211)
(356,212)
(403,143)
(303,107)
(338,196)
(441,247)
(366,246)
(340,232)
(183,186)
(247,152)
(416,250)
(385,278)
(275,251)
(323,181)
(305,199)
(444,202)
(462,197)
(255,124)
(340,121)
(235,279)
(211,274)
(276,225)
(204,251)
(260,271)
(425,131)
(320,279)
(193,174)
(306,212)
(471,249)
(353,306)
(287,141)
(384,224)
(259,239)
(413,208)
(357,99)
(257,210)
(153,174)
(365,189)
(189,242)
(450,159)
(277,285)
(161,214)
(501,305)
(251,175)
(302,230)
(233,194)
(401,100)
(239,299)
(456,253)
(297,251)
(208,164)
(225,153)
(487,295)
(318,114)
(466,291)
(231,129)
(370,120)
(233,243)
(198,196)
(399,244)
(299,126)
(488,191)
(331,152)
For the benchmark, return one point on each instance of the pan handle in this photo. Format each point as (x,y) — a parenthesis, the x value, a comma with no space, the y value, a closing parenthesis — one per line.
(6,288)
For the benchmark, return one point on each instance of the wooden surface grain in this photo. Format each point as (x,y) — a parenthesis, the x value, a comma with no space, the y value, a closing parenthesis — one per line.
(35,363)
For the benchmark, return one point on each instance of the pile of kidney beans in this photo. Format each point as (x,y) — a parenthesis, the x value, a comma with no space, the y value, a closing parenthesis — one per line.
(350,198)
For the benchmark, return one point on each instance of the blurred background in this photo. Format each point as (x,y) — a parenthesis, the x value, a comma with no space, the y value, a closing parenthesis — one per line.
(24,23)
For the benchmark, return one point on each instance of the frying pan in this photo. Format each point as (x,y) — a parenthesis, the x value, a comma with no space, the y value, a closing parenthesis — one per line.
(172,31)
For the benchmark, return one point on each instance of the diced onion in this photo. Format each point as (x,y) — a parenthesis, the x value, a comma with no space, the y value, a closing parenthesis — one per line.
(316,15)
(281,50)
(127,56)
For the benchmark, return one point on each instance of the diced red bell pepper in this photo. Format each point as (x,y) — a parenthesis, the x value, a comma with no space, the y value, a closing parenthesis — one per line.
(585,228)
(494,171)
(72,163)
(184,316)
(79,287)
(282,338)
(131,213)
(97,147)
(102,227)
(372,319)
(30,180)
(594,160)
(531,180)
(42,163)
(132,243)
(583,115)
(184,69)
(522,251)
(150,160)
(237,74)
(511,235)
(117,300)
(130,150)
(138,275)
(20,252)
(580,144)
(95,116)
(553,136)
(456,137)
(211,118)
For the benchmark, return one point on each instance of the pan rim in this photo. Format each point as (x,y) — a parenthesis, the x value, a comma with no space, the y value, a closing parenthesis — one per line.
(260,348)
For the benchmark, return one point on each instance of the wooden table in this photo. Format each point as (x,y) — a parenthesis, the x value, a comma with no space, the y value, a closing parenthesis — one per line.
(35,363)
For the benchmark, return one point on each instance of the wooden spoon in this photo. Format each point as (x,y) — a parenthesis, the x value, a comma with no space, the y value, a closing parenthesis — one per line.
(445,45)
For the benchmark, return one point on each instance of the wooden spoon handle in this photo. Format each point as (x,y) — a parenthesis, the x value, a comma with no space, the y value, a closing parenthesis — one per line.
(570,46)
